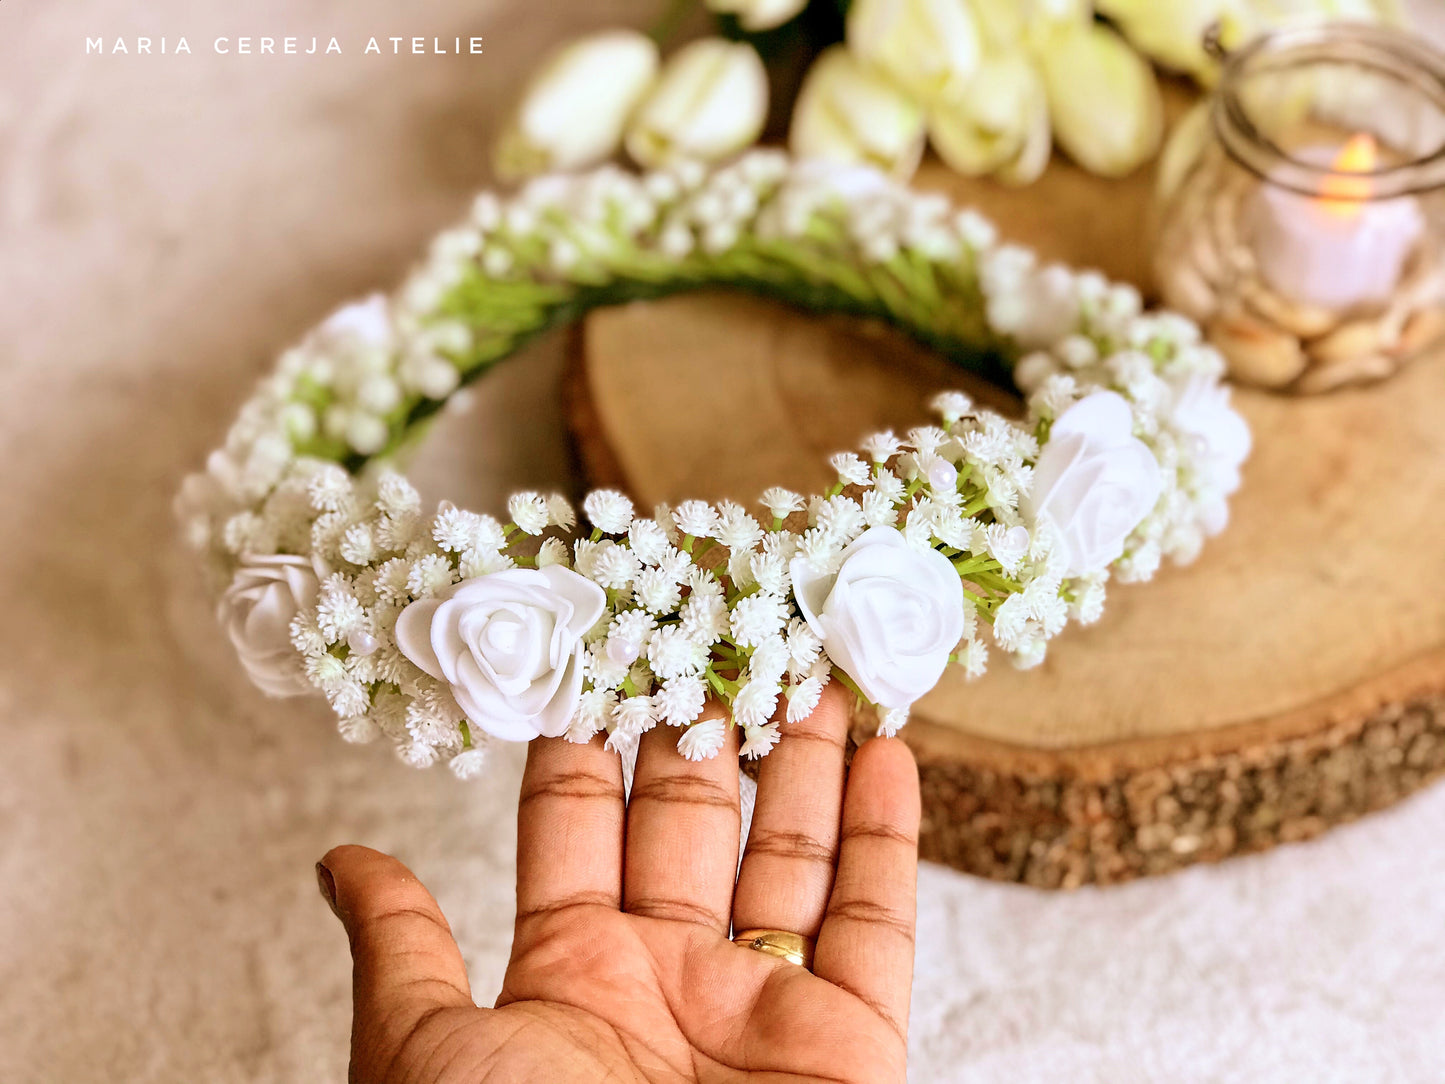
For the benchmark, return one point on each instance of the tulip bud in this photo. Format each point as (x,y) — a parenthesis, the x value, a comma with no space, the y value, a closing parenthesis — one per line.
(849,113)
(1005,25)
(709,102)
(1188,137)
(997,121)
(1107,112)
(574,108)
(1033,157)
(923,44)
(1173,33)
(757,15)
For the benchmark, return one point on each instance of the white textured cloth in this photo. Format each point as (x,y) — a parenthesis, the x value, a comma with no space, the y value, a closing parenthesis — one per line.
(1318,962)
(167,224)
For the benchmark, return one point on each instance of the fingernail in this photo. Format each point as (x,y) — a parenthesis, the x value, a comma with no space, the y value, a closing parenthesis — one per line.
(327,884)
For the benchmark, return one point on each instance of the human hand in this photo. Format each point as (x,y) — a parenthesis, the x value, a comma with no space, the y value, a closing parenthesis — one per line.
(621,967)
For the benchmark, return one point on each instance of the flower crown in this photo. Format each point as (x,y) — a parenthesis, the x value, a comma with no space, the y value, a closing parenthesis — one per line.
(447,629)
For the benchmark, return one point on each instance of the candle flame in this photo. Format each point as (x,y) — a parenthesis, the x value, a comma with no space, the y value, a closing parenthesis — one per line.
(1343,192)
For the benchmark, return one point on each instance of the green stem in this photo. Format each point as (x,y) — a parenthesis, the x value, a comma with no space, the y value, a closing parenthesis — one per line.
(985,604)
(995,581)
(978,563)
(819,271)
(849,684)
(726,689)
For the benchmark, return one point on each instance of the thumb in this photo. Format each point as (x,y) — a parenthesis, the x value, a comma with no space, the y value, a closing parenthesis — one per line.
(405,964)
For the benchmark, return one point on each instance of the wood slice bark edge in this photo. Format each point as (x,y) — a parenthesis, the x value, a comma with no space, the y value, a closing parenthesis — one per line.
(1108,813)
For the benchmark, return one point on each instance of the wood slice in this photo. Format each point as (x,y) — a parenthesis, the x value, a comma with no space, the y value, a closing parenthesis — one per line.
(1292,678)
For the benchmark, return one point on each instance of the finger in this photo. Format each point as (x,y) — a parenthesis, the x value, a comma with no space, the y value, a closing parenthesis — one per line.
(866,943)
(787,869)
(569,828)
(683,821)
(405,963)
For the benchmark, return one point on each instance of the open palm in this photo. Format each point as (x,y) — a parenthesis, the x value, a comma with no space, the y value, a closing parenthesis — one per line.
(622,968)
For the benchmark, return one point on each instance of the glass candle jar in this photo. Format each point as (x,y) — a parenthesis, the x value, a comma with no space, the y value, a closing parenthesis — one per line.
(1301,211)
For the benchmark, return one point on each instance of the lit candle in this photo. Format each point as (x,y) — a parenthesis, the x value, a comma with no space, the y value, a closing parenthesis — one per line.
(1337,249)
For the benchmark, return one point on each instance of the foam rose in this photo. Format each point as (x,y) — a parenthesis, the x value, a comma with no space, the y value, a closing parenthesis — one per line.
(509,646)
(256,612)
(1094,482)
(888,618)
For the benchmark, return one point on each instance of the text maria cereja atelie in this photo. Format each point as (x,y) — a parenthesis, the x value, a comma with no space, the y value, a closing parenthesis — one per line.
(281,46)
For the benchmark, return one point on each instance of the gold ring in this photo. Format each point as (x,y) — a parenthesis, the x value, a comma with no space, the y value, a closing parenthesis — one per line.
(793,947)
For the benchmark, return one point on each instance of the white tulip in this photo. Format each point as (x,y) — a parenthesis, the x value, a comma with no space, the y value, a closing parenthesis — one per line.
(849,113)
(1103,98)
(997,121)
(888,618)
(1005,25)
(1033,156)
(1173,33)
(1276,11)
(509,646)
(1001,24)
(759,14)
(709,102)
(1094,482)
(923,44)
(1188,137)
(575,107)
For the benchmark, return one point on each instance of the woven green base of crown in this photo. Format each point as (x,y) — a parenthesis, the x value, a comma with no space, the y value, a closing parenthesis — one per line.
(1057,830)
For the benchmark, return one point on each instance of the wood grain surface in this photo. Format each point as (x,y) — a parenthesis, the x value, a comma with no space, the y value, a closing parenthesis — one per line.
(1322,606)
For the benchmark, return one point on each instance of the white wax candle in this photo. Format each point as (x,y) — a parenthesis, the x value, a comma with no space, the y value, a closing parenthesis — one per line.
(1329,252)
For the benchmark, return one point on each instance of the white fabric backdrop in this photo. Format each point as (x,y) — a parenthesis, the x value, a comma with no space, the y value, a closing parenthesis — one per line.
(166,225)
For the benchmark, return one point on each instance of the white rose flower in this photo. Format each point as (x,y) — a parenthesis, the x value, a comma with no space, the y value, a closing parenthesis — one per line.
(509,645)
(709,102)
(574,109)
(256,612)
(1094,482)
(889,617)
(1200,410)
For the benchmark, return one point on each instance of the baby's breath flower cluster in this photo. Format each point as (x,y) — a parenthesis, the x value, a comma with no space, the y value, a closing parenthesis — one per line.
(444,629)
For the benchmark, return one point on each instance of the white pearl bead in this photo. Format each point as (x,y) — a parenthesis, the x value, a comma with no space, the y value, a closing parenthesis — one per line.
(362,642)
